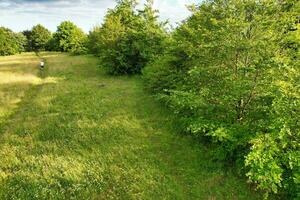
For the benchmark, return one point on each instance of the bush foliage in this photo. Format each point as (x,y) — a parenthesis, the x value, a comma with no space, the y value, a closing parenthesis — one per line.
(39,38)
(11,43)
(231,73)
(129,38)
(69,38)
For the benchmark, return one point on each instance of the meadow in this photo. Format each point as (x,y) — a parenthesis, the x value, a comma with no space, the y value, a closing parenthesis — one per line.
(71,131)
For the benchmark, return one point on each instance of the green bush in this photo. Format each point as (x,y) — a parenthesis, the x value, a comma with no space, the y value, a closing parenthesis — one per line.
(231,73)
(128,39)
(94,41)
(11,43)
(39,38)
(69,38)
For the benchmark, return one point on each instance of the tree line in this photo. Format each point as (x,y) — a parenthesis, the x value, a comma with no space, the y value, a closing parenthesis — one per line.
(67,38)
(230,73)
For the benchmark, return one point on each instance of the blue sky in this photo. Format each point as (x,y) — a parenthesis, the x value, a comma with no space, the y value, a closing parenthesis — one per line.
(20,15)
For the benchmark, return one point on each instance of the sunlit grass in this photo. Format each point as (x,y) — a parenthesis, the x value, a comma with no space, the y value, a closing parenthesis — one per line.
(13,78)
(13,71)
(86,135)
(18,74)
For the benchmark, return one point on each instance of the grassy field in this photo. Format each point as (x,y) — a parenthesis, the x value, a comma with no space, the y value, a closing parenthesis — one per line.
(72,132)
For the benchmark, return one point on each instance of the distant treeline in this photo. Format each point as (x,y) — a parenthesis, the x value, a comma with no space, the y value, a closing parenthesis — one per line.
(230,73)
(67,38)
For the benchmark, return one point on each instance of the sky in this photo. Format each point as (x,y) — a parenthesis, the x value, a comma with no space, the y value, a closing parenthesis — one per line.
(20,15)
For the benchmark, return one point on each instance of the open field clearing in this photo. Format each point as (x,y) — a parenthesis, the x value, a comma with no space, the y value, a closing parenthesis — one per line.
(72,132)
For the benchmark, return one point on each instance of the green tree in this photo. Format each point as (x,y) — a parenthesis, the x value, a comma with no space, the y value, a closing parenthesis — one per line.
(231,73)
(128,38)
(21,41)
(27,34)
(39,38)
(94,41)
(10,42)
(70,38)
(274,160)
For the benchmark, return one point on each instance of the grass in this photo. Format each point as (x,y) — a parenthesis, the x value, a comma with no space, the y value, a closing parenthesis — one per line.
(72,132)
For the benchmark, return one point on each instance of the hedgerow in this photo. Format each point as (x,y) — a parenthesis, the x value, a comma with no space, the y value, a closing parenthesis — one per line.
(231,74)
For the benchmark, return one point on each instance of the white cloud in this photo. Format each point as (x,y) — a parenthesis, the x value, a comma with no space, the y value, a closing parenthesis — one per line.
(23,14)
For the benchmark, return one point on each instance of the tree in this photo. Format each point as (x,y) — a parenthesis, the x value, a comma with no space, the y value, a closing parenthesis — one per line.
(274,159)
(39,38)
(70,38)
(231,73)
(128,38)
(27,34)
(10,42)
(21,41)
(94,41)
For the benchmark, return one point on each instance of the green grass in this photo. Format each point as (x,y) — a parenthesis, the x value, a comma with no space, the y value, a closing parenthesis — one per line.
(72,132)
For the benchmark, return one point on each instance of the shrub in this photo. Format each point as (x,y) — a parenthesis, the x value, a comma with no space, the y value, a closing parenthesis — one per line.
(39,38)
(94,41)
(223,76)
(69,38)
(128,39)
(10,42)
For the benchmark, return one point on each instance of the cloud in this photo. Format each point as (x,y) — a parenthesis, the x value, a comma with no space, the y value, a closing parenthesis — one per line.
(23,14)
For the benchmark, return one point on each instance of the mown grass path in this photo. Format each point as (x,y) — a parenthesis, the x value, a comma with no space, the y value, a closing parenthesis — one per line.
(80,134)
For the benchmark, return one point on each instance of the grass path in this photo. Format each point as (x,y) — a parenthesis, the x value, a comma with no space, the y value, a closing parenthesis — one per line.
(73,132)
